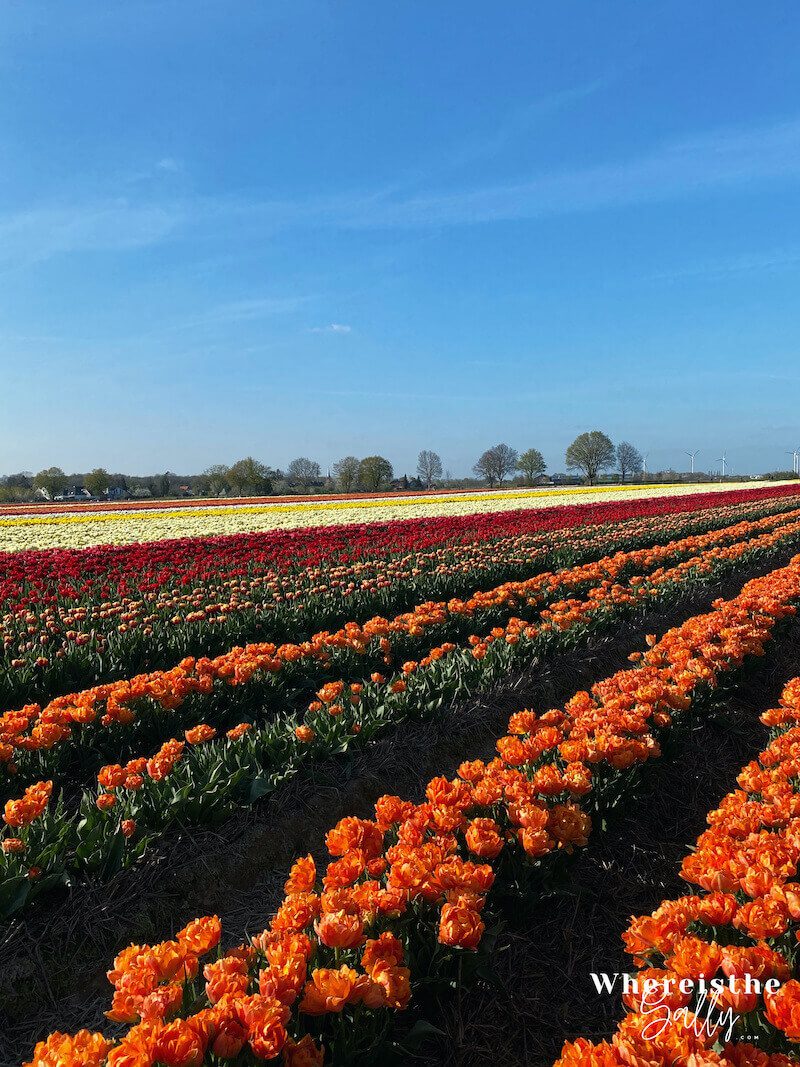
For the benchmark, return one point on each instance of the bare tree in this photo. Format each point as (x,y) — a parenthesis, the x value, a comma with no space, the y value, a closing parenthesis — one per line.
(591,453)
(346,473)
(496,464)
(484,468)
(629,460)
(531,464)
(303,471)
(429,467)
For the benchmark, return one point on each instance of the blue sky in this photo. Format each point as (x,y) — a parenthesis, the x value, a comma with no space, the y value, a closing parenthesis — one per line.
(319,228)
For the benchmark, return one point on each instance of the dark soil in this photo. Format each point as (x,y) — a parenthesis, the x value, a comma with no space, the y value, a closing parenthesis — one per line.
(549,949)
(53,960)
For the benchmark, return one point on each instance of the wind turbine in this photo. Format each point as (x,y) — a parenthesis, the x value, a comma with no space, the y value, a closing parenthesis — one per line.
(644,463)
(795,460)
(691,456)
(723,461)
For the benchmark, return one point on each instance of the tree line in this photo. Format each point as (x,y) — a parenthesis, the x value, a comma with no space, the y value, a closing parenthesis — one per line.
(590,453)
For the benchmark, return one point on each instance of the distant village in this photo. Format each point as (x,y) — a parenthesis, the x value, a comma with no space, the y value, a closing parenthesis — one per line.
(591,458)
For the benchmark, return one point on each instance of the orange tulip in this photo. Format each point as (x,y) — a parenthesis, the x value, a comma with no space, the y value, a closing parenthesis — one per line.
(303,1053)
(179,1045)
(460,927)
(339,930)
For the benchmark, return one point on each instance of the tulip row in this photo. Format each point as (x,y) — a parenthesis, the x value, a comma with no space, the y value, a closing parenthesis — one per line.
(205,781)
(63,627)
(53,643)
(201,778)
(28,532)
(718,974)
(401,900)
(41,575)
(72,569)
(270,678)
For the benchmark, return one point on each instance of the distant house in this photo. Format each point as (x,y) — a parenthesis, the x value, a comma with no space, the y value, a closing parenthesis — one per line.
(116,492)
(567,479)
(73,493)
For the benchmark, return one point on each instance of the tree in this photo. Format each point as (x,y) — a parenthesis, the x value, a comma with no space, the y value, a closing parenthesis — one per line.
(629,460)
(164,484)
(249,476)
(303,472)
(429,467)
(216,478)
(496,463)
(52,481)
(374,472)
(484,468)
(591,453)
(531,464)
(97,482)
(346,473)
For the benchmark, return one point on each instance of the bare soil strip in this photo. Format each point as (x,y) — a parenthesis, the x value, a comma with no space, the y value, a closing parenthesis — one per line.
(548,950)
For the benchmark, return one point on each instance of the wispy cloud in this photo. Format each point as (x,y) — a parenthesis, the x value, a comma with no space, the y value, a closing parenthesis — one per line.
(729,159)
(111,225)
(231,312)
(675,169)
(519,124)
(240,310)
(332,327)
(723,159)
(744,263)
(168,164)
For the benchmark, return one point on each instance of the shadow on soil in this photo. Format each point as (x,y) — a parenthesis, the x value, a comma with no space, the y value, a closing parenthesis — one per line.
(53,962)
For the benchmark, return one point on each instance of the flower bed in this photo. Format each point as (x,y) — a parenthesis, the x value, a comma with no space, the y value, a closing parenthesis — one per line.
(70,626)
(201,778)
(267,667)
(736,938)
(403,896)
(37,532)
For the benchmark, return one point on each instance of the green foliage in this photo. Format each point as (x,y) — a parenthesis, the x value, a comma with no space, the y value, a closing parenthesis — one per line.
(374,473)
(248,476)
(531,464)
(591,453)
(216,479)
(52,481)
(97,482)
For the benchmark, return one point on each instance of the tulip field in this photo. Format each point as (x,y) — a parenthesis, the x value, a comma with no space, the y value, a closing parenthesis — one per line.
(83,525)
(171,674)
